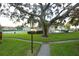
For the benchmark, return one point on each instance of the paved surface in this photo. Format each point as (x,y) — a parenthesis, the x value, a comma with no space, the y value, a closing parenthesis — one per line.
(67,41)
(57,42)
(44,50)
(25,40)
(30,41)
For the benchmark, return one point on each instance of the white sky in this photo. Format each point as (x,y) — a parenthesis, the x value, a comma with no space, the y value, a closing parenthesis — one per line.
(4,21)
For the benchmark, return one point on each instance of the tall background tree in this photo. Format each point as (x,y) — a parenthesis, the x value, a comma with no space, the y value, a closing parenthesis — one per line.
(74,17)
(47,13)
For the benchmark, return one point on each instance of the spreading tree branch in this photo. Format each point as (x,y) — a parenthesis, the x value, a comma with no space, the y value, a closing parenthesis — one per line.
(46,7)
(66,14)
(42,7)
(23,11)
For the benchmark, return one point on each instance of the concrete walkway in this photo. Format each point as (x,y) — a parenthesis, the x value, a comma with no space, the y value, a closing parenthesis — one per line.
(57,42)
(66,41)
(25,40)
(44,50)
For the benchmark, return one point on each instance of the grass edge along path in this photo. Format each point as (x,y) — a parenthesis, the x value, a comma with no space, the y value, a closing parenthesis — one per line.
(51,37)
(11,47)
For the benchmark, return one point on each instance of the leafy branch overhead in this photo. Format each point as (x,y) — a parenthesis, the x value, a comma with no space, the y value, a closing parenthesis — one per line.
(46,14)
(46,8)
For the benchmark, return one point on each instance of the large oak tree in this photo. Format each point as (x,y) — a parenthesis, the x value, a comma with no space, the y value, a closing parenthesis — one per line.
(40,12)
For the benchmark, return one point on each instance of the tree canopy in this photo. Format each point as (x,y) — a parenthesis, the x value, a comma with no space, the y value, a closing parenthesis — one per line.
(46,14)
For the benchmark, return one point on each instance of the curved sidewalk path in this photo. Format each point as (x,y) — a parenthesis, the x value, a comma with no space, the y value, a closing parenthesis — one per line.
(57,42)
(45,49)
(66,41)
(24,40)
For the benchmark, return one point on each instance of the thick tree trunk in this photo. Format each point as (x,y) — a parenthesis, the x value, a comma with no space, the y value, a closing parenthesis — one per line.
(45,30)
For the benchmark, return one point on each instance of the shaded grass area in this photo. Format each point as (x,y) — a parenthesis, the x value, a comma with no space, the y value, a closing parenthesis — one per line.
(65,49)
(12,47)
(25,36)
(51,37)
(64,36)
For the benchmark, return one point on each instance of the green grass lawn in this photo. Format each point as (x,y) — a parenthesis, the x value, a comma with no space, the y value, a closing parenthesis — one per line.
(65,49)
(11,47)
(51,37)
(25,36)
(16,47)
(64,36)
